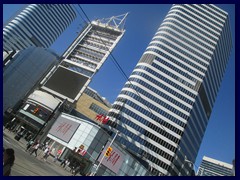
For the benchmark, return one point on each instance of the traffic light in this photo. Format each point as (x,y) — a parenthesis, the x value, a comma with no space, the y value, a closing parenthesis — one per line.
(108,151)
(35,110)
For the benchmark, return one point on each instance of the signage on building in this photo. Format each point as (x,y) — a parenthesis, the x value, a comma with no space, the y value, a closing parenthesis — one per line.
(64,128)
(114,161)
(102,118)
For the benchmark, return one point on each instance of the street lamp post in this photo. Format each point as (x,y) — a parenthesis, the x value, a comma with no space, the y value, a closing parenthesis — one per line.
(104,155)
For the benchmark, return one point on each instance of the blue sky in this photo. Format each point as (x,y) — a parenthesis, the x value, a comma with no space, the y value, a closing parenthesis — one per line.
(142,23)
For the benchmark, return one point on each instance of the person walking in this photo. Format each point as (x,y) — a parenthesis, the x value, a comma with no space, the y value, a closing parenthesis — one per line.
(35,148)
(77,170)
(29,144)
(46,153)
(54,154)
(63,162)
(8,161)
(73,165)
(45,146)
(67,163)
(57,155)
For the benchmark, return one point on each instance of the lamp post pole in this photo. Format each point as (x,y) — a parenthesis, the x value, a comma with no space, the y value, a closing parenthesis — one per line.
(104,155)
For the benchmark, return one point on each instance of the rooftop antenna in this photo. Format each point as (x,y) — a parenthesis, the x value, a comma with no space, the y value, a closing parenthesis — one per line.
(115,21)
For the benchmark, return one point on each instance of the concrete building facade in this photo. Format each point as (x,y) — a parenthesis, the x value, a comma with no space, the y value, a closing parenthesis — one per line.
(91,104)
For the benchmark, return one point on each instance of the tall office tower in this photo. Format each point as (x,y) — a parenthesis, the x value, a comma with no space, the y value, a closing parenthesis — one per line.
(163,110)
(213,167)
(37,25)
(84,57)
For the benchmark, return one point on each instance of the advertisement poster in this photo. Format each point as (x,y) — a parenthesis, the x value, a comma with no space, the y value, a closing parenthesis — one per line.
(64,129)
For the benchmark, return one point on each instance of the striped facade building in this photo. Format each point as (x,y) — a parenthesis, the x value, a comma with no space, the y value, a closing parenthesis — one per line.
(163,110)
(213,167)
(37,25)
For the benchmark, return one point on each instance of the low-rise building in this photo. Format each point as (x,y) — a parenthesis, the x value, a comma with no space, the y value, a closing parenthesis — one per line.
(213,167)
(84,143)
(90,104)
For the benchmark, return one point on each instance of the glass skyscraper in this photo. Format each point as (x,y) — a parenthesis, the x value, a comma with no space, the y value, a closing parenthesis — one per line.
(163,110)
(37,25)
(23,72)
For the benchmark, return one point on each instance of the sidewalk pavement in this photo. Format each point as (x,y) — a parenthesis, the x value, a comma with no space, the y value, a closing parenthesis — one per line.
(50,160)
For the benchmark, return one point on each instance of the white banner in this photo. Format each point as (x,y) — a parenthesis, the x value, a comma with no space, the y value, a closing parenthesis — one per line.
(64,129)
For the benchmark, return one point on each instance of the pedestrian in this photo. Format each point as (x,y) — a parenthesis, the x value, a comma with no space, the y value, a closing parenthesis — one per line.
(73,165)
(46,153)
(8,161)
(7,126)
(77,170)
(63,162)
(67,164)
(29,144)
(35,148)
(45,145)
(54,153)
(57,155)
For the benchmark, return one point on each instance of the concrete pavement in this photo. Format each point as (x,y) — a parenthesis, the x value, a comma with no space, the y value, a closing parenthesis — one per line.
(29,165)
